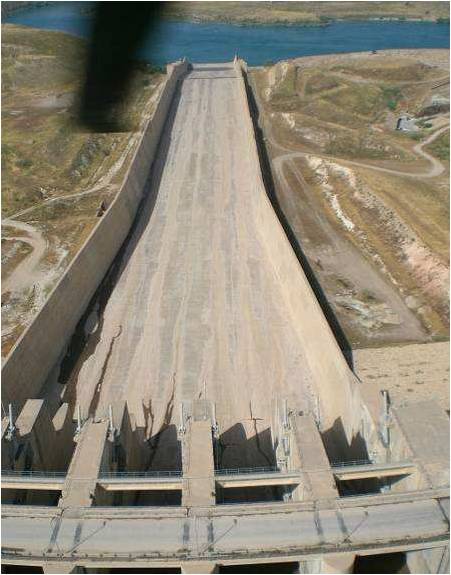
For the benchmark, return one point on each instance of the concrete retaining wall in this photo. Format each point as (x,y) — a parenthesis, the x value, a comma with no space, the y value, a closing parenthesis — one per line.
(36,352)
(335,383)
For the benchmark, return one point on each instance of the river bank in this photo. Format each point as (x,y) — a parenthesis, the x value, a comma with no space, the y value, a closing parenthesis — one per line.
(258,45)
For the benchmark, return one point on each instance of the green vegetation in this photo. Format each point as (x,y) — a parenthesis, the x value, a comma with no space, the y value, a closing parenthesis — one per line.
(440,147)
(424,124)
(286,87)
(392,95)
(416,136)
(361,99)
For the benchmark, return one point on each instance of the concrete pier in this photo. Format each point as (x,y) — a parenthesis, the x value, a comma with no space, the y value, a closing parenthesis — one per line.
(198,466)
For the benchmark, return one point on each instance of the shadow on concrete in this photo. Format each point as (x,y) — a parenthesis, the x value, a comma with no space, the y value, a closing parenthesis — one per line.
(381,563)
(268,180)
(234,449)
(160,452)
(165,451)
(82,345)
(21,569)
(288,567)
(338,448)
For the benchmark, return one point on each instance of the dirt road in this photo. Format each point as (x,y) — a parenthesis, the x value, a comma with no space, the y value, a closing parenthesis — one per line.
(28,272)
(435,169)
(197,311)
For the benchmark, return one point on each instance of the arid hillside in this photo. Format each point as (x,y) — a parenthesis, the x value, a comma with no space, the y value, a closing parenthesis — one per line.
(304,13)
(367,202)
(56,179)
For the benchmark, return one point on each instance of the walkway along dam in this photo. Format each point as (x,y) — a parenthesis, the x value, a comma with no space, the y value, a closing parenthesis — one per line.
(181,402)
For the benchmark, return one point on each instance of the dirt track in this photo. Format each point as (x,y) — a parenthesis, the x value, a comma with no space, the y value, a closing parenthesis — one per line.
(197,310)
(27,273)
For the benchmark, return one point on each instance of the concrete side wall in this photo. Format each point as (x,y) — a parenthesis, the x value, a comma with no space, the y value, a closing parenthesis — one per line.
(335,383)
(40,346)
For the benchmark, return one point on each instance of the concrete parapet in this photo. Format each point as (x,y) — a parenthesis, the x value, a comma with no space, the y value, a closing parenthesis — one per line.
(332,375)
(33,356)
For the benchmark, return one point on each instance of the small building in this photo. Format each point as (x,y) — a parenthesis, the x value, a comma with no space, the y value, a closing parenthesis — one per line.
(406,124)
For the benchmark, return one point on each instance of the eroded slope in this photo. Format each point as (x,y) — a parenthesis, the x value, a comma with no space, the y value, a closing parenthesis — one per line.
(368,203)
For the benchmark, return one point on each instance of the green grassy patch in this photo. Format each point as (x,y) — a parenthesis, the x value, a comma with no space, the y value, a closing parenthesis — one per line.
(361,99)
(440,147)
(392,95)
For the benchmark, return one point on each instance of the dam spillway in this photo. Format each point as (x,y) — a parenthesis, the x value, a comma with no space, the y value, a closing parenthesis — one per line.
(197,311)
(207,375)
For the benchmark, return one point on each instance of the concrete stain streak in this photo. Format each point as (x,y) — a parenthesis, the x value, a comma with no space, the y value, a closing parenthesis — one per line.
(95,399)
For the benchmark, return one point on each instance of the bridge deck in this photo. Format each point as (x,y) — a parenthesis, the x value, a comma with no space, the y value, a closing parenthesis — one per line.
(243,534)
(148,482)
(197,308)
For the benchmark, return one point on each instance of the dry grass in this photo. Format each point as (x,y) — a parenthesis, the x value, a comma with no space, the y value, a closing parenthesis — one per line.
(440,147)
(306,13)
(345,107)
(45,155)
(13,252)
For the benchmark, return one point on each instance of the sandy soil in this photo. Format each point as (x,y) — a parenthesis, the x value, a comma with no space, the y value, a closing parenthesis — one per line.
(410,373)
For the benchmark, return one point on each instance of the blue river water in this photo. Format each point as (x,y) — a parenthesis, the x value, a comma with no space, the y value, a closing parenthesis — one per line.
(216,42)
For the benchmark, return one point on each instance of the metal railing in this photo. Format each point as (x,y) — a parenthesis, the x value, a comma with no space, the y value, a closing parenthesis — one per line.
(352,462)
(6,473)
(138,474)
(247,470)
